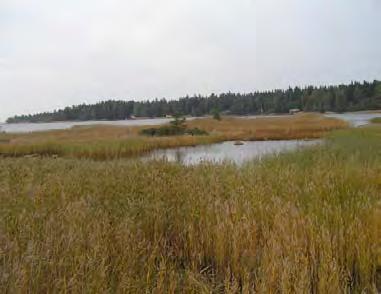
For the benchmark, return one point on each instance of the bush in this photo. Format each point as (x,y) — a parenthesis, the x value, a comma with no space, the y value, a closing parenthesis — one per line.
(177,127)
(216,114)
(196,132)
(166,131)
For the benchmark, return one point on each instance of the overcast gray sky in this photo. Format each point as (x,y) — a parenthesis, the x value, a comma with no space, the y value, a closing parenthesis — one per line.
(58,53)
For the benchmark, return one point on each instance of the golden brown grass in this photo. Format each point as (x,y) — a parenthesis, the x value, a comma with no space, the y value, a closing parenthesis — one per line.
(299,126)
(304,222)
(97,142)
(107,142)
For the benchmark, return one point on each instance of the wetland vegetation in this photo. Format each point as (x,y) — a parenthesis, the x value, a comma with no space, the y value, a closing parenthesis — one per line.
(212,147)
(307,222)
(111,142)
(376,120)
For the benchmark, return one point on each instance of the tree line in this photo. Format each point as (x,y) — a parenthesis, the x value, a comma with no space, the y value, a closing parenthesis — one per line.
(340,98)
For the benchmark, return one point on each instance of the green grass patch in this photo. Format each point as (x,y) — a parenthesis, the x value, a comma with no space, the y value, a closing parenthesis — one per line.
(376,120)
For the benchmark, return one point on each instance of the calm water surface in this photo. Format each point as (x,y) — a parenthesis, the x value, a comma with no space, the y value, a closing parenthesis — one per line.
(355,119)
(37,127)
(227,151)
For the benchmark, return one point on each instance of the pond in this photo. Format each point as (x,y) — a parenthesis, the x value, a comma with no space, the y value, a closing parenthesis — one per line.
(227,151)
(356,119)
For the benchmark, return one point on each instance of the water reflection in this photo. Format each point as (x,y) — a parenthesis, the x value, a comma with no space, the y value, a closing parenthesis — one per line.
(220,152)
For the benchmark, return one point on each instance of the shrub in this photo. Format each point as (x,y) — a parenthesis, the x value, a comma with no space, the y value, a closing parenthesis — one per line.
(196,132)
(177,127)
(216,114)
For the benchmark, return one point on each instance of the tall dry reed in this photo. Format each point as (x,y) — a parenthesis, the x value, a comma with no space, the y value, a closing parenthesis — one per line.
(304,222)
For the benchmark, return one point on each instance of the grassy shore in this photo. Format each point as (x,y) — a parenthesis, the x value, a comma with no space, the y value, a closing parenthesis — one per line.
(110,142)
(302,126)
(302,222)
(376,120)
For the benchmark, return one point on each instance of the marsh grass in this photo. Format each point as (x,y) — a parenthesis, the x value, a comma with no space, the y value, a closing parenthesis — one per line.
(301,126)
(376,120)
(301,222)
(110,142)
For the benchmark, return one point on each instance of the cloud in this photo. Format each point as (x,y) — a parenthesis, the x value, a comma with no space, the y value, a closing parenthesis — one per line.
(56,53)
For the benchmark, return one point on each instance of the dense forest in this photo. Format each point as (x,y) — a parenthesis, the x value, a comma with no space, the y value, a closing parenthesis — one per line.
(352,97)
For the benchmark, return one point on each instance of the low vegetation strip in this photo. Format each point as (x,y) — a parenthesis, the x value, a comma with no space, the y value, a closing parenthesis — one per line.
(306,222)
(110,142)
(301,126)
(177,127)
(376,120)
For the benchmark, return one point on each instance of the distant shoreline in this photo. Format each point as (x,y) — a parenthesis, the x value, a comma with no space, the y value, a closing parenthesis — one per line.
(186,116)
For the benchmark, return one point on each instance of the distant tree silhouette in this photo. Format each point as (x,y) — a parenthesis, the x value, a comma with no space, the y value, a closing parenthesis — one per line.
(352,97)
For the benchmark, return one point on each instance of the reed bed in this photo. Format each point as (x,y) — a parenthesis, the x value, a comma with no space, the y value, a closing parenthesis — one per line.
(110,142)
(301,126)
(301,222)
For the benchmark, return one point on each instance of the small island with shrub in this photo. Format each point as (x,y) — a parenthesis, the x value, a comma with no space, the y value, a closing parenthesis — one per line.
(176,127)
